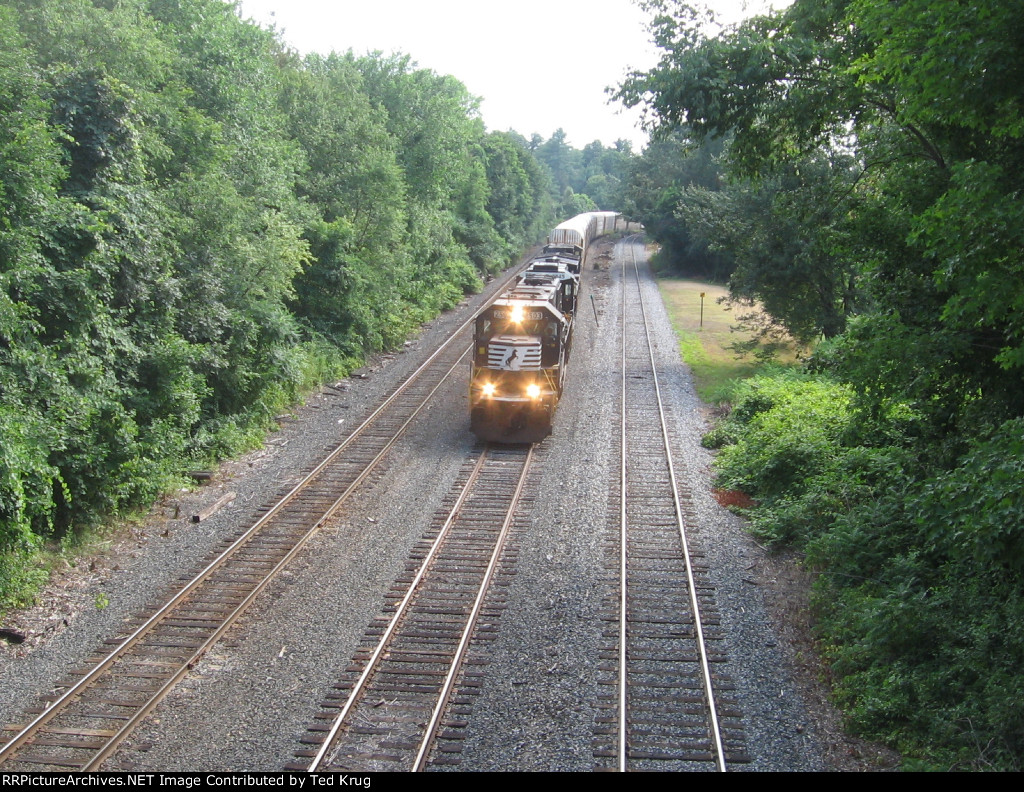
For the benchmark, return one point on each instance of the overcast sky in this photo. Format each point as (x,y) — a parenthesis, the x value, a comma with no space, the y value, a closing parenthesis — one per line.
(537,65)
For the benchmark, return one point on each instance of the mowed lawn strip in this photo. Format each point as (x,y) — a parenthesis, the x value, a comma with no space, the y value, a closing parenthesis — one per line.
(705,345)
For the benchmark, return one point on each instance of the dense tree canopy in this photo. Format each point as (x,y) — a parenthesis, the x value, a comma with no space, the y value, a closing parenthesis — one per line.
(871,197)
(670,168)
(198,224)
(584,180)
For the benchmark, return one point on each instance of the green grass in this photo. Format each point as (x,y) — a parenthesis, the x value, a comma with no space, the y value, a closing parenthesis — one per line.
(704,341)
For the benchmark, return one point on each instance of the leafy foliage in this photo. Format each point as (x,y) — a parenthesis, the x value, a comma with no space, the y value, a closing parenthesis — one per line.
(870,198)
(583,181)
(922,602)
(675,171)
(198,225)
(787,429)
(805,282)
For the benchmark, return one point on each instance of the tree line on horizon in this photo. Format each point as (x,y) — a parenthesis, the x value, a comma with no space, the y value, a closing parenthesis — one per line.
(199,225)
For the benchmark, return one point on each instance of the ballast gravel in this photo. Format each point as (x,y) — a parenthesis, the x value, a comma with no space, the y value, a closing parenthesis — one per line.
(247,704)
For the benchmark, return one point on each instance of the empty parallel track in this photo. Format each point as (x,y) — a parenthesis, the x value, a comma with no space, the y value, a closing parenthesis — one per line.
(389,709)
(666,711)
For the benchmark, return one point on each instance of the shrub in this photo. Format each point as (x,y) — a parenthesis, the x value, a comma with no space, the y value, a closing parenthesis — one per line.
(789,427)
(922,603)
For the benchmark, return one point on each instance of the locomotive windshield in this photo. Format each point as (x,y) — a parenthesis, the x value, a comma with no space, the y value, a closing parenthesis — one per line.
(487,327)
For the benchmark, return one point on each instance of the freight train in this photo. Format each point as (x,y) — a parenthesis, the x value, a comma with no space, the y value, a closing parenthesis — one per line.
(522,340)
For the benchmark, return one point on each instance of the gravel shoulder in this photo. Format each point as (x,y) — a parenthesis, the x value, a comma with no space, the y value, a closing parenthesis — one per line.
(249,701)
(143,560)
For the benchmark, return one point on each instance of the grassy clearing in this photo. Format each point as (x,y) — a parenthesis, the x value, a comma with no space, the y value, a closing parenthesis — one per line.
(704,343)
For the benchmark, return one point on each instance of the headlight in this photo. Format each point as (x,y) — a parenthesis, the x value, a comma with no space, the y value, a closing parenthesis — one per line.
(517,313)
(488,389)
(533,391)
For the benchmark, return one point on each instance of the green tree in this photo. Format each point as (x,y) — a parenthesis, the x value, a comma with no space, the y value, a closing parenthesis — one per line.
(563,161)
(658,181)
(880,142)
(354,184)
(435,124)
(30,175)
(807,282)
(519,200)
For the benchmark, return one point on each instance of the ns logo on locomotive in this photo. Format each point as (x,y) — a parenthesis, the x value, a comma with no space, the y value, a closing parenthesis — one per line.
(521,341)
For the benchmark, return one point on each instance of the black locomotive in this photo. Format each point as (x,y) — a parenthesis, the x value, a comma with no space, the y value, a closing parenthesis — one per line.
(522,340)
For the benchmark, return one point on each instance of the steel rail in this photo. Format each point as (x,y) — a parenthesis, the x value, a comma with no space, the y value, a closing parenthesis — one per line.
(324,756)
(719,749)
(232,617)
(59,704)
(400,610)
(623,564)
(467,633)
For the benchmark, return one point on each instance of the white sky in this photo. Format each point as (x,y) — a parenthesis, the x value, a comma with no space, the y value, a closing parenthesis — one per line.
(537,64)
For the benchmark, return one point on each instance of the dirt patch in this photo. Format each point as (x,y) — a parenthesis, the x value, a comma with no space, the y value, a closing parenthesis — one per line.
(56,607)
(729,498)
(76,586)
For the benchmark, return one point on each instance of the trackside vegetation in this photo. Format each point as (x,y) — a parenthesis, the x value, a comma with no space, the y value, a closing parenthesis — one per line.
(198,225)
(853,167)
(710,339)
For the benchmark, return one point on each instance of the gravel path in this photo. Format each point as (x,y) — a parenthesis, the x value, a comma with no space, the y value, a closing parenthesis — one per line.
(544,662)
(249,701)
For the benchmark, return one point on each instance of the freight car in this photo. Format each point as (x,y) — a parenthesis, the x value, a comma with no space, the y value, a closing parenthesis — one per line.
(522,340)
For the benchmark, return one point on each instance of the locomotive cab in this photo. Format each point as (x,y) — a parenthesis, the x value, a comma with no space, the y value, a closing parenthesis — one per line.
(570,254)
(555,273)
(521,343)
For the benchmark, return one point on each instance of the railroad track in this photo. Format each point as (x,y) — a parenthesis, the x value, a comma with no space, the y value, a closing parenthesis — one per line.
(88,716)
(670,708)
(414,661)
